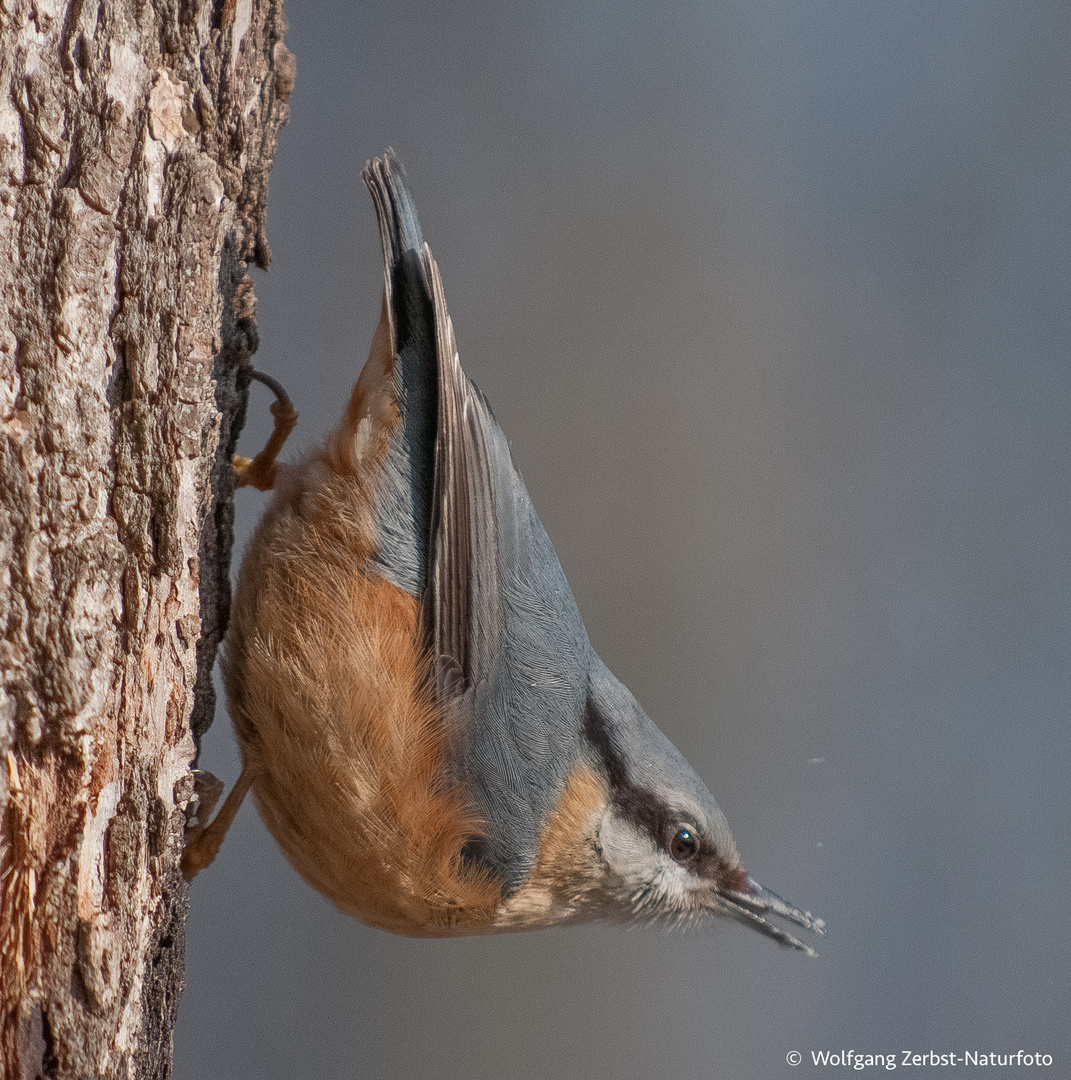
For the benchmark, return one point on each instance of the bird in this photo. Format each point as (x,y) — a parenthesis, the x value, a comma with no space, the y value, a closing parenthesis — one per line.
(426,728)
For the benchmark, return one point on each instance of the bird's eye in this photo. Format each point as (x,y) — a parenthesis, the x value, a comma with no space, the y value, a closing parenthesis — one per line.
(685,844)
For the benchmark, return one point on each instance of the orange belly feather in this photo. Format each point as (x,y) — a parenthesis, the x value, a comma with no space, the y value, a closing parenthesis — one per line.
(326,683)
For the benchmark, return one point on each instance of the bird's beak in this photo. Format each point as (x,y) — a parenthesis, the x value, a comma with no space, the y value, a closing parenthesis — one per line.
(752,905)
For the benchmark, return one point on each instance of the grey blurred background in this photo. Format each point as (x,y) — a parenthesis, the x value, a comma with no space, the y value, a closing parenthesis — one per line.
(772,301)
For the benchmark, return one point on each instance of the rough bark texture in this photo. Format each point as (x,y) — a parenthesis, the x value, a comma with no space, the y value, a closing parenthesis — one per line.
(135,142)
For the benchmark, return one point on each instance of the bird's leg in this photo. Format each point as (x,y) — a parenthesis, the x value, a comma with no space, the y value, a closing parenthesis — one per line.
(208,788)
(204,841)
(259,472)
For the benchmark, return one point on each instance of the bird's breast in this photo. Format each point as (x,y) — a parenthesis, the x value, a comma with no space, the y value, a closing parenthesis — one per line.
(330,698)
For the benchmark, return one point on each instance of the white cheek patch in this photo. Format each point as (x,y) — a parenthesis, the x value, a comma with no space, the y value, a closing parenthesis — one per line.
(652,880)
(629,853)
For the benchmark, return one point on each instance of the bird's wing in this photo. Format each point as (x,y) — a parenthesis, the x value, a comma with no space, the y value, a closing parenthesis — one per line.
(438,516)
(457,529)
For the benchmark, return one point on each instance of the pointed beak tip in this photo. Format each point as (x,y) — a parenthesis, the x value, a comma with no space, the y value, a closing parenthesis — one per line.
(752,904)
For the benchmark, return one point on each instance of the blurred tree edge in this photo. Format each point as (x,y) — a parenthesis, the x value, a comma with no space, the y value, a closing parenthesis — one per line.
(135,145)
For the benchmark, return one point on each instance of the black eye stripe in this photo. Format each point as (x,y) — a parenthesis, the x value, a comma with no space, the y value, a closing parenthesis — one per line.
(640,805)
(637,804)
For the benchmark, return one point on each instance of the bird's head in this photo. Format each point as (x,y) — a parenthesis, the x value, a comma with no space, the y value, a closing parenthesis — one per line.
(664,849)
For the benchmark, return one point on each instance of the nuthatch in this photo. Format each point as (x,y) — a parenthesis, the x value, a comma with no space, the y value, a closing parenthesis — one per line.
(427,731)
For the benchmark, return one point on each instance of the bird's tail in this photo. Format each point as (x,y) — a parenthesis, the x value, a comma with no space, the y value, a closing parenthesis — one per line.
(388,431)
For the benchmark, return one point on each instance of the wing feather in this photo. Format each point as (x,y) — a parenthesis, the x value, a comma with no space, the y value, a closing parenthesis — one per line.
(463,599)
(456,528)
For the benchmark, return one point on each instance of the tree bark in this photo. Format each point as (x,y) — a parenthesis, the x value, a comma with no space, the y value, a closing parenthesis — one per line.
(135,142)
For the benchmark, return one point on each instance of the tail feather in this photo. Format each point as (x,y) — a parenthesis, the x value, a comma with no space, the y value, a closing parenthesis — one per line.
(405,374)
(399,226)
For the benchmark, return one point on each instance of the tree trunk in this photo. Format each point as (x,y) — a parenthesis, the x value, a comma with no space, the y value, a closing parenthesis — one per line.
(135,142)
